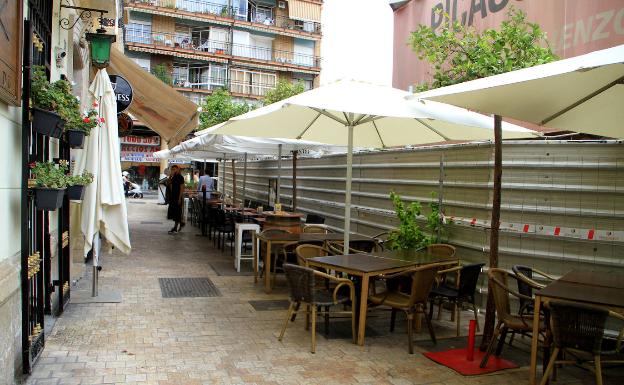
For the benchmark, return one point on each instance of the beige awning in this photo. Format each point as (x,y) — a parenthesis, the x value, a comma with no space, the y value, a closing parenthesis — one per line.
(159,106)
(302,10)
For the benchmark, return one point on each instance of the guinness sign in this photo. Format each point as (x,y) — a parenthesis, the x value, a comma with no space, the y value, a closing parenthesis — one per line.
(123,92)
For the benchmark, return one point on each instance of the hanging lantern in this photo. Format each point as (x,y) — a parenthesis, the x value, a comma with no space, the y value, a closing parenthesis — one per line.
(100,47)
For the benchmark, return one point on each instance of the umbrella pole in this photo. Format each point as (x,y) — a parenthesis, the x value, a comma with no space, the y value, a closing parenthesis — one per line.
(488,328)
(233,184)
(347,216)
(96,263)
(279,173)
(244,180)
(294,181)
(223,195)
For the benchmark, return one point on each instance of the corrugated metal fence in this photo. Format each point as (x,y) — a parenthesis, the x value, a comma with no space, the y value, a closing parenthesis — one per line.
(554,194)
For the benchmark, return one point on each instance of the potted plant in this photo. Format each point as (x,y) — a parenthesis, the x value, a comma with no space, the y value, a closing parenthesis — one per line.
(48,100)
(50,184)
(76,185)
(78,126)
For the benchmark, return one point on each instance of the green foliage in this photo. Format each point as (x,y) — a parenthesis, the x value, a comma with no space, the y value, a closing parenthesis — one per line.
(58,97)
(460,53)
(409,235)
(50,175)
(283,90)
(161,71)
(219,107)
(80,180)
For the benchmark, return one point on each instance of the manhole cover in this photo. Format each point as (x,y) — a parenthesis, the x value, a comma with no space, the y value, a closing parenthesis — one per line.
(270,304)
(187,287)
(151,223)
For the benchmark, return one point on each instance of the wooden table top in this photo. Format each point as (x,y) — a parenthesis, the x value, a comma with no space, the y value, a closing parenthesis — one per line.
(309,237)
(284,214)
(595,278)
(590,294)
(379,261)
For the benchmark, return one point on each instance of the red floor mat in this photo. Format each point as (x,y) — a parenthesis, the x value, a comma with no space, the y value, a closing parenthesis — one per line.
(456,360)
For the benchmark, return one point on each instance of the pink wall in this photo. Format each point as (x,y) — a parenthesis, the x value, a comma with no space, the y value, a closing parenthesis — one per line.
(573,27)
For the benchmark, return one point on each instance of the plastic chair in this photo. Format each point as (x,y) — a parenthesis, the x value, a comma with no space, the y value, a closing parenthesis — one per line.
(460,292)
(578,329)
(303,290)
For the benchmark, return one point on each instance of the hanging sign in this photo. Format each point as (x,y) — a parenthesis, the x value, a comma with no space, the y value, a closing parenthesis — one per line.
(123,92)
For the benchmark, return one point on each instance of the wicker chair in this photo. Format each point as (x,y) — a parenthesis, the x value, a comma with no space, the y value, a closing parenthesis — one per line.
(355,247)
(316,229)
(519,323)
(459,292)
(578,329)
(526,283)
(412,303)
(306,251)
(381,239)
(303,290)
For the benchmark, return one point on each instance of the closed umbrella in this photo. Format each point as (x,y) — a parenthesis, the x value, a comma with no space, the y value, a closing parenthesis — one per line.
(361,114)
(103,208)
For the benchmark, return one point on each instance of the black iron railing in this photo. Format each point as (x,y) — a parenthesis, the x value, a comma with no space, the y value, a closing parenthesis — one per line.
(196,42)
(261,16)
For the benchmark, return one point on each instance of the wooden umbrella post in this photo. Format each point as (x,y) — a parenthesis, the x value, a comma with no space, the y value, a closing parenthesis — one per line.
(294,181)
(488,328)
(233,183)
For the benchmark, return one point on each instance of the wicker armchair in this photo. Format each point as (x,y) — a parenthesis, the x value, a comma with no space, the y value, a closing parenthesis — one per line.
(355,247)
(316,229)
(578,329)
(461,291)
(526,282)
(306,251)
(519,323)
(303,290)
(412,303)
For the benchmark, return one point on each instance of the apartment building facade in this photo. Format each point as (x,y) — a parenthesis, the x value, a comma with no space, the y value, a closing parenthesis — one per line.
(242,46)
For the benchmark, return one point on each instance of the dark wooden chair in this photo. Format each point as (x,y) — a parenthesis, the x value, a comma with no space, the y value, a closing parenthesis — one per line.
(315,219)
(304,290)
(578,330)
(413,302)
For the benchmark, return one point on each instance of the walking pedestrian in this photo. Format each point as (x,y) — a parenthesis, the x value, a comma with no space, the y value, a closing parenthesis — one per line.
(176,199)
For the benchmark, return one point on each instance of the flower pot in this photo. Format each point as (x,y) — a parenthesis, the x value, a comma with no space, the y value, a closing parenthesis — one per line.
(47,122)
(76,192)
(49,198)
(75,138)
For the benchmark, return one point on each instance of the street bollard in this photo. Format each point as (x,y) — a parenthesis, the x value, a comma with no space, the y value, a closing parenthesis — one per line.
(471,340)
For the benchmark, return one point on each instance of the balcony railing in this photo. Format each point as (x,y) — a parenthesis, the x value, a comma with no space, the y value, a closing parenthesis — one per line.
(250,15)
(214,47)
(212,83)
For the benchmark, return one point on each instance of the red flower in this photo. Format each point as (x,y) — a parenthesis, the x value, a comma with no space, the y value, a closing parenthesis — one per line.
(31,164)
(86,119)
(95,104)
(102,120)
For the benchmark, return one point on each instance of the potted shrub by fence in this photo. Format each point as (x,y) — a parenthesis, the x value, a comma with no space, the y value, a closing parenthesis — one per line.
(48,101)
(76,185)
(78,126)
(50,184)
(409,235)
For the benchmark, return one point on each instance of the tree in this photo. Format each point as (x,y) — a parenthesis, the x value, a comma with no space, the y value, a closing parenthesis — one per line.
(457,54)
(161,71)
(283,90)
(219,107)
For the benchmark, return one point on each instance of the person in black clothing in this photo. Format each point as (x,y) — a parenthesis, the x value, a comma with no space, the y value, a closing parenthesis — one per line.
(176,200)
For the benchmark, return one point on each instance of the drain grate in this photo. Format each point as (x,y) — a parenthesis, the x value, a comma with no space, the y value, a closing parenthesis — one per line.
(187,287)
(270,304)
(152,223)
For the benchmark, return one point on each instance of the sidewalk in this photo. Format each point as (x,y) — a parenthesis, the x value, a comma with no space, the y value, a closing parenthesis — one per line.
(148,339)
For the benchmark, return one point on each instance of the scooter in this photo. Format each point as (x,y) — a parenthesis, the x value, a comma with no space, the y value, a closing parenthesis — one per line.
(135,191)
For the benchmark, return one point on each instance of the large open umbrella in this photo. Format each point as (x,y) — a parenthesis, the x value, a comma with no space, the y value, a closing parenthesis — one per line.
(582,94)
(361,114)
(104,205)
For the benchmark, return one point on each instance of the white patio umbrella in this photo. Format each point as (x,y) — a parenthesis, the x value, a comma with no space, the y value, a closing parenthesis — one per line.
(103,208)
(355,113)
(582,94)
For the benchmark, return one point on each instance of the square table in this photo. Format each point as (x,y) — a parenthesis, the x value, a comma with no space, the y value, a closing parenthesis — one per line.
(373,264)
(285,238)
(586,286)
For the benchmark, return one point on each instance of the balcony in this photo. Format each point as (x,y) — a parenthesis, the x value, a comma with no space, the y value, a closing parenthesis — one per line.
(197,81)
(183,45)
(259,19)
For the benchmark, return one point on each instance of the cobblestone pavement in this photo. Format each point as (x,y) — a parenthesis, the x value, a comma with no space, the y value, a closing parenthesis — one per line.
(147,339)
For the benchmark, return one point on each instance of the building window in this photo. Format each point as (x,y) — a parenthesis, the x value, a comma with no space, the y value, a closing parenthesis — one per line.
(308,84)
(306,26)
(251,82)
(143,63)
(137,32)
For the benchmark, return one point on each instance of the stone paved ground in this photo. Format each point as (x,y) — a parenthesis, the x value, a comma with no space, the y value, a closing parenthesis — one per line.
(147,339)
